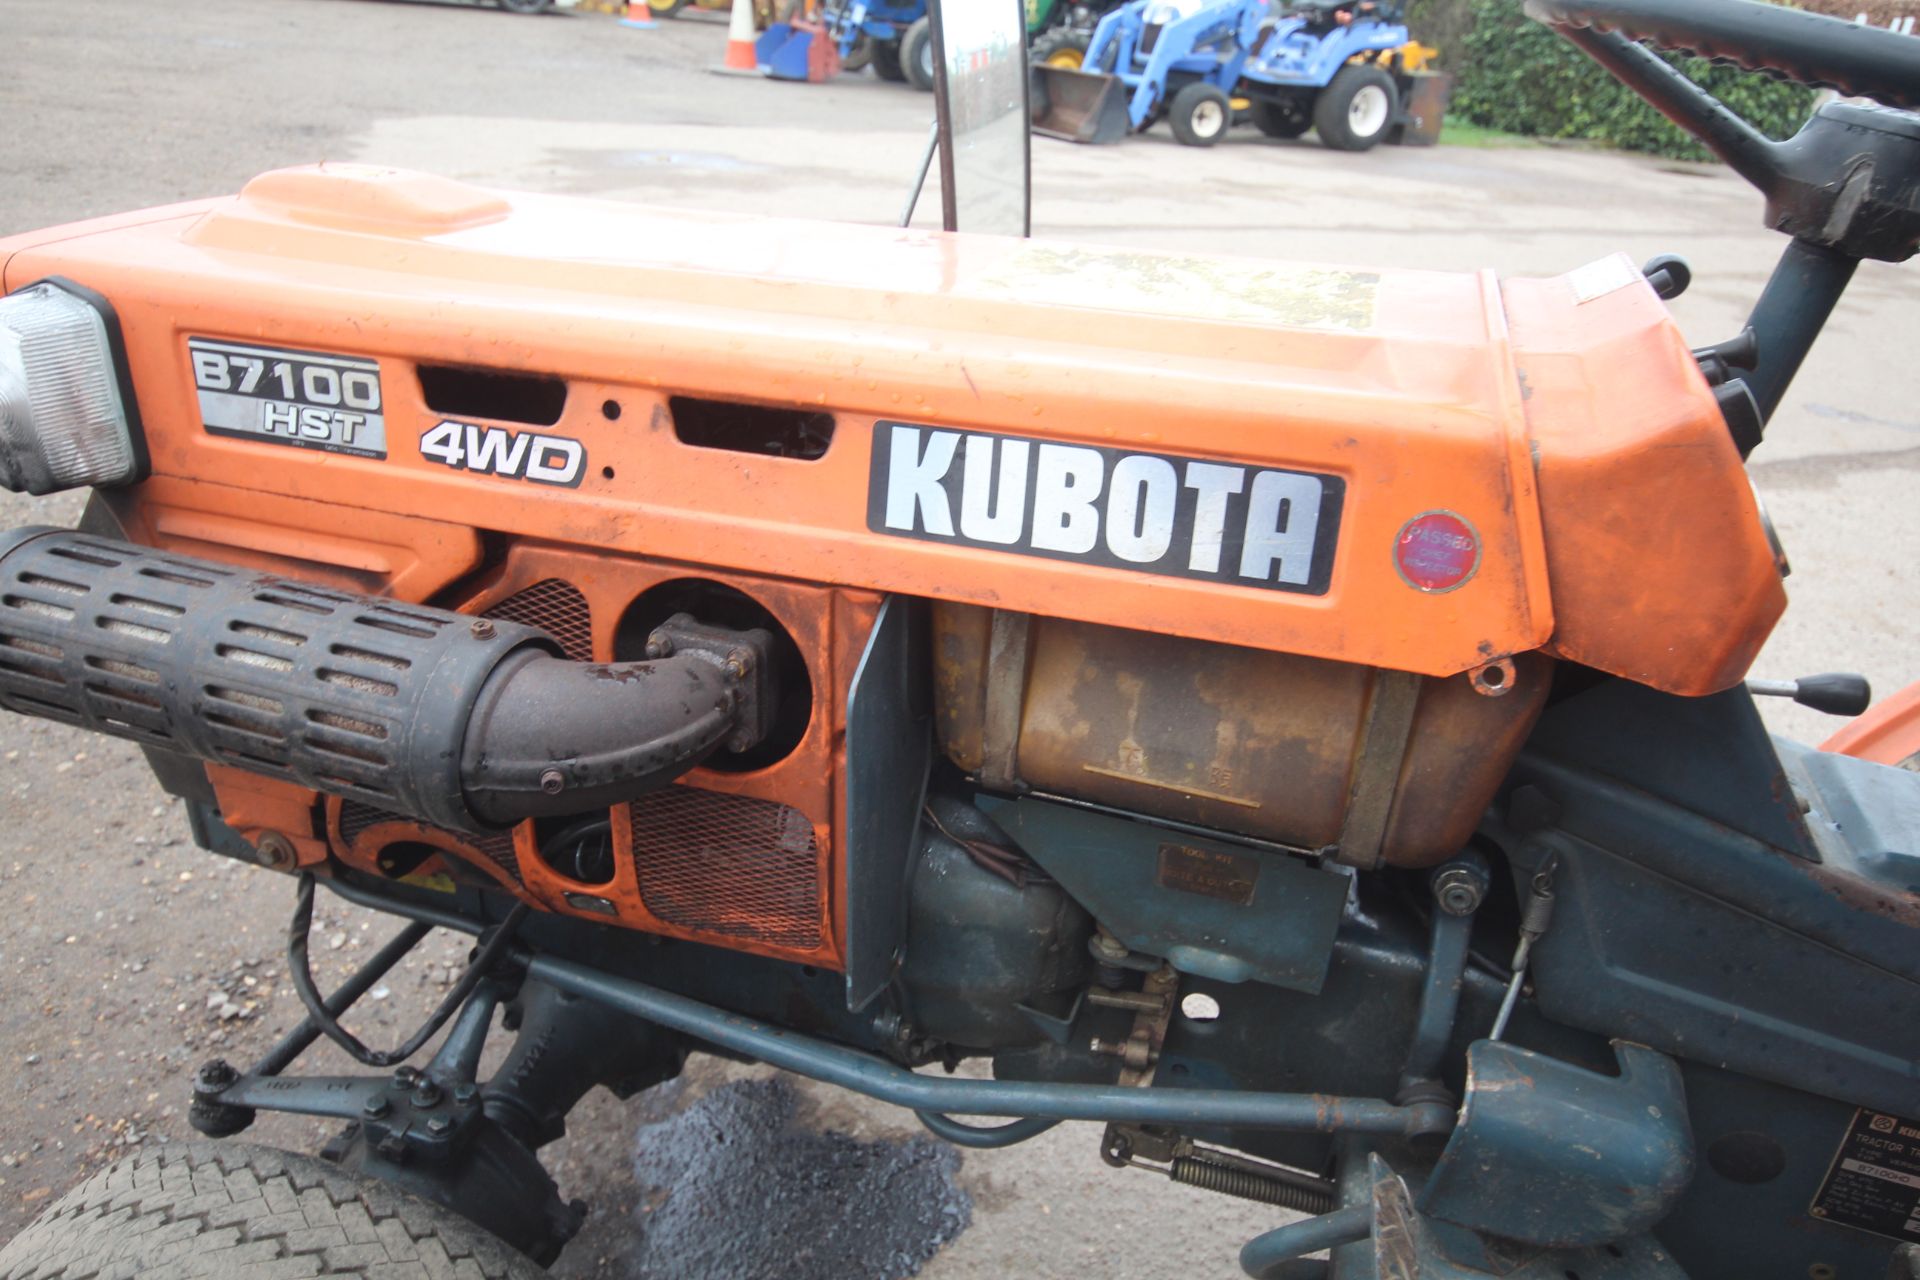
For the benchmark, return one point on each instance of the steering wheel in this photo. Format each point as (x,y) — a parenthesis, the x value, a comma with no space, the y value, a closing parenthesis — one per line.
(1846,187)
(1857,60)
(1849,182)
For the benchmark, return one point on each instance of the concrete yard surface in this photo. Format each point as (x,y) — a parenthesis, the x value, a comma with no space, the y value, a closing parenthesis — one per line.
(129,957)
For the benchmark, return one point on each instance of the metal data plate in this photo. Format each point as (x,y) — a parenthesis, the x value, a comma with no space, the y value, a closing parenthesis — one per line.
(1227,912)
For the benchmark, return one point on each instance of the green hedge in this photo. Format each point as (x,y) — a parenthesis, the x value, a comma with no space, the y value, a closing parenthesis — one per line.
(1515,75)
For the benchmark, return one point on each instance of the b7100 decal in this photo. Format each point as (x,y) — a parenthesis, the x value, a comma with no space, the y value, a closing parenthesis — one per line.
(499,451)
(302,398)
(1150,512)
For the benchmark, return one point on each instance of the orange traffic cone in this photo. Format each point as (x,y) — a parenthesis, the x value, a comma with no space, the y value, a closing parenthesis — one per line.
(639,16)
(741,59)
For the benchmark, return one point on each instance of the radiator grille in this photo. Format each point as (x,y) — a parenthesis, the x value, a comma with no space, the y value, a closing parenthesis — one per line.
(558,609)
(357,818)
(729,865)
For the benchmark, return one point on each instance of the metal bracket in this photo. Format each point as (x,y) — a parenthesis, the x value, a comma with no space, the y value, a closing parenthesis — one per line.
(1376,775)
(1009,649)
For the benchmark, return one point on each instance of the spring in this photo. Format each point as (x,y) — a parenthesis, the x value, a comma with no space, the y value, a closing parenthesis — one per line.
(1198,1171)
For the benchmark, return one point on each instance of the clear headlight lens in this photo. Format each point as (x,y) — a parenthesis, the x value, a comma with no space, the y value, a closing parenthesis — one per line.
(63,420)
(1159,15)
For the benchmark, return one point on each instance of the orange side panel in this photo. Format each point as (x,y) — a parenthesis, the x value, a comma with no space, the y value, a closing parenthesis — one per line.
(1558,432)
(1889,733)
(1660,565)
(1399,384)
(375,552)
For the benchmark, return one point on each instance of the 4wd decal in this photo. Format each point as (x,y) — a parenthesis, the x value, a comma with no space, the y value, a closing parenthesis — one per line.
(303,398)
(1155,513)
(500,451)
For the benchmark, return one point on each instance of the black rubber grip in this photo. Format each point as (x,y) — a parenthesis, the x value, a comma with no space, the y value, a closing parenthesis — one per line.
(1827,53)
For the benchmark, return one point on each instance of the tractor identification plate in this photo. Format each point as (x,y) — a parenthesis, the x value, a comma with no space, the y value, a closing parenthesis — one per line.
(1230,877)
(303,398)
(1874,1184)
(1154,513)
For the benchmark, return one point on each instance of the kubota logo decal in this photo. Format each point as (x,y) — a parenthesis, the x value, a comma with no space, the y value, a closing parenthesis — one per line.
(1155,513)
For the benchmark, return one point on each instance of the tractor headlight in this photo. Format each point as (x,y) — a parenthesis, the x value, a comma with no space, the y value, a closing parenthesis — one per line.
(66,409)
(1159,15)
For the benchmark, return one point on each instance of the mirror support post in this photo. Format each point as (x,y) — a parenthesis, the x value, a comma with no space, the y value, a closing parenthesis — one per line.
(920,178)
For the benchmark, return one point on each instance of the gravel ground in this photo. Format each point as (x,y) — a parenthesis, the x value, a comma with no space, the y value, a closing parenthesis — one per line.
(131,957)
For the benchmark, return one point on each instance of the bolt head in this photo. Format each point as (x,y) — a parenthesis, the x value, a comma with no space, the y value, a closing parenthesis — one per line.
(658,646)
(465,1094)
(553,782)
(439,1126)
(376,1108)
(482,629)
(1458,891)
(426,1093)
(275,852)
(405,1077)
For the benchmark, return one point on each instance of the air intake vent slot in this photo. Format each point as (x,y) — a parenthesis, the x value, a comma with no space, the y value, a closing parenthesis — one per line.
(751,428)
(729,865)
(532,398)
(557,608)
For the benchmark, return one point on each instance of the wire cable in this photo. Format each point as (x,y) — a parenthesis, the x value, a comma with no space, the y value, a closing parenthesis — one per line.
(300,970)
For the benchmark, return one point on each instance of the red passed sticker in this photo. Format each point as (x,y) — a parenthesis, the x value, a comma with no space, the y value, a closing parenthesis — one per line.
(1436,551)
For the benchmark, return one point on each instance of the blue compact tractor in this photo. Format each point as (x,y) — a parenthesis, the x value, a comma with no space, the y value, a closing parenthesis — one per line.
(894,37)
(1334,66)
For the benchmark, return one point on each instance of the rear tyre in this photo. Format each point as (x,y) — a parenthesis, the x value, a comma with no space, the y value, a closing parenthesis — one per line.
(1061,47)
(1277,121)
(886,61)
(229,1211)
(1355,111)
(916,54)
(859,56)
(1199,115)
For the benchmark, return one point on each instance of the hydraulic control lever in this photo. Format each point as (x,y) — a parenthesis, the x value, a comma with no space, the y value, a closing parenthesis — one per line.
(1838,693)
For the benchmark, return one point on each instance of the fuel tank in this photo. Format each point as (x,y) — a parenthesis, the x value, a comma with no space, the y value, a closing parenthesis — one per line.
(1367,766)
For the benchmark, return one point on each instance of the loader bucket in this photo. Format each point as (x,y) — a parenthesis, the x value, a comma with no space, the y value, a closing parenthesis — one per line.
(1080,106)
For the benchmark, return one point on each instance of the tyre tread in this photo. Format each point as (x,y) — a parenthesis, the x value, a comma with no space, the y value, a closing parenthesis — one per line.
(205,1211)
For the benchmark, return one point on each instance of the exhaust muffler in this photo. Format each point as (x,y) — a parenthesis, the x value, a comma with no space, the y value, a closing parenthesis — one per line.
(457,721)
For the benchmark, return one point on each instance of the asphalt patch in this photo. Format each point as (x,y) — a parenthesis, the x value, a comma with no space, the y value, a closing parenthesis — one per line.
(737,1187)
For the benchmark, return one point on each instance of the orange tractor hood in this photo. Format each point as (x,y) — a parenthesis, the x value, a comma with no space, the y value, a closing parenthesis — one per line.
(1411,470)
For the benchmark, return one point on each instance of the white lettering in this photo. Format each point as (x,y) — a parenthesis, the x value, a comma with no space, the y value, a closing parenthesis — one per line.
(1140,505)
(1001,519)
(556,461)
(210,371)
(494,450)
(443,445)
(1282,518)
(1067,482)
(275,416)
(316,424)
(913,480)
(1215,485)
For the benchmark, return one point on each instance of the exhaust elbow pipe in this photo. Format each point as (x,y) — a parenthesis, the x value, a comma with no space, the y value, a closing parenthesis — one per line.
(466,723)
(547,736)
